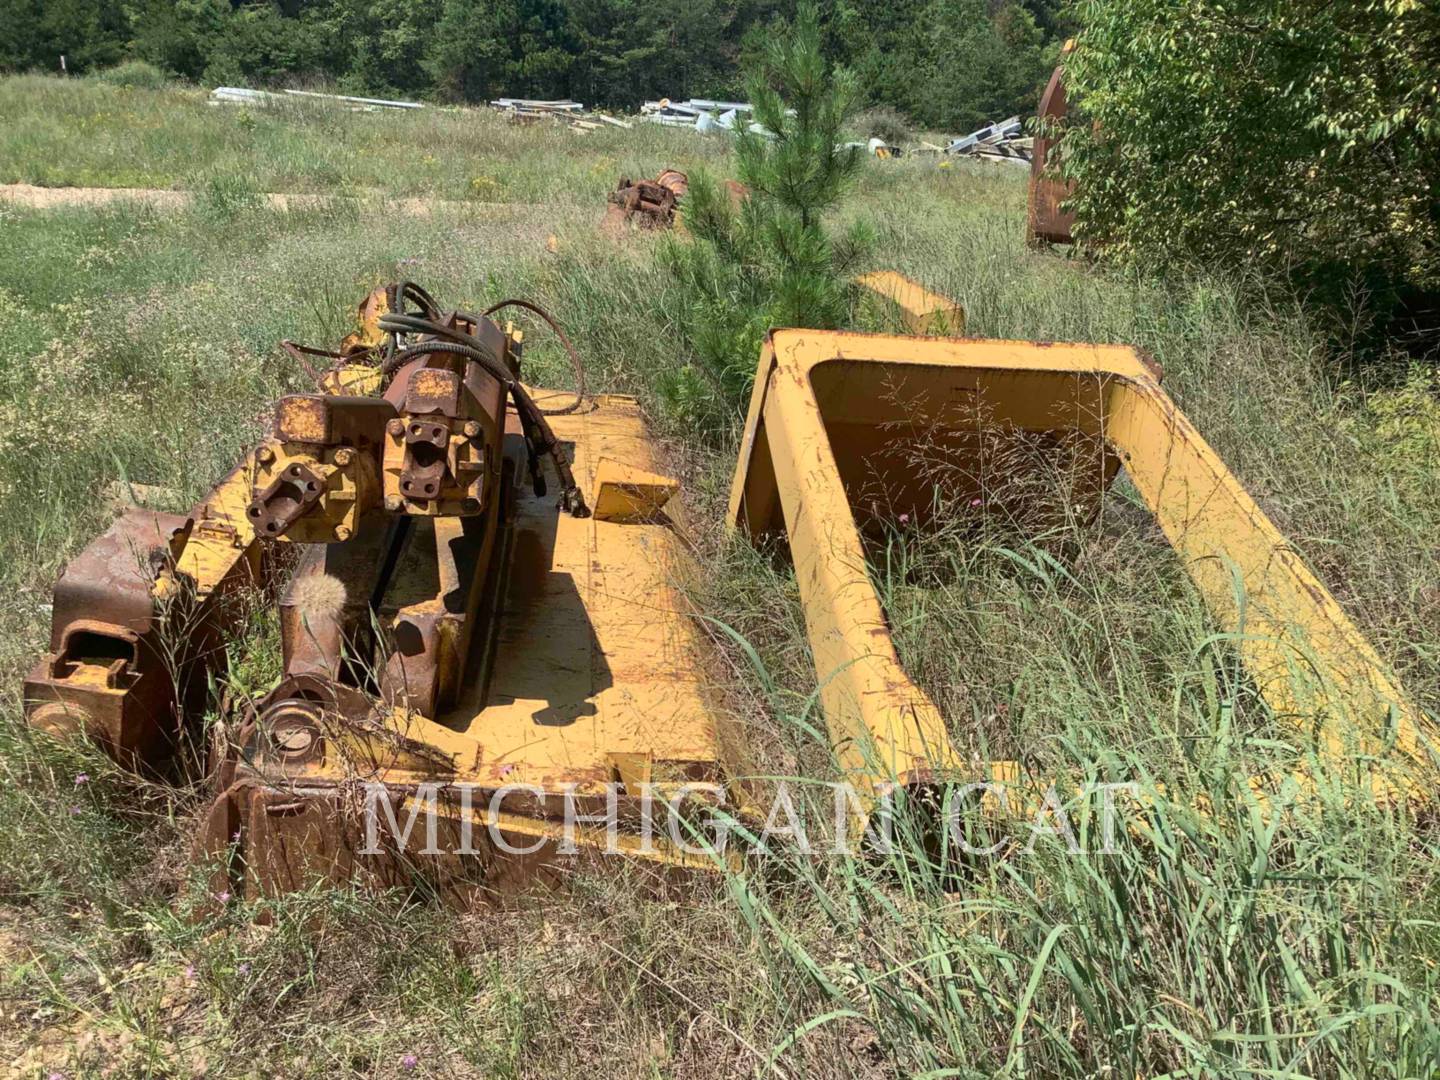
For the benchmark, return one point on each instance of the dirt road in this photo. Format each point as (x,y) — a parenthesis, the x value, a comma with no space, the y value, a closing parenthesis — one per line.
(45,198)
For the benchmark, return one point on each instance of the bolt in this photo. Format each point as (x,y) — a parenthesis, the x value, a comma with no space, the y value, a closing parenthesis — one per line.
(264,455)
(344,456)
(342,532)
(396,426)
(394,502)
(472,428)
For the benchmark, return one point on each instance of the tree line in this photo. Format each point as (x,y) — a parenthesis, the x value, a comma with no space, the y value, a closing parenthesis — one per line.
(945,64)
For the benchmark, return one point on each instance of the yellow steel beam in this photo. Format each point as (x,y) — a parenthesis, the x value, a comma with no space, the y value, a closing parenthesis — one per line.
(921,311)
(221,543)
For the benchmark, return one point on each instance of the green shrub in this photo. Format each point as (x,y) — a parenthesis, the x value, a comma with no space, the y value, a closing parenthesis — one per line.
(1302,137)
(1397,429)
(883,122)
(134,75)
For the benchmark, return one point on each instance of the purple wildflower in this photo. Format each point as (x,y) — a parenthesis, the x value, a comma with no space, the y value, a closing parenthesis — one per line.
(408,1062)
(81,778)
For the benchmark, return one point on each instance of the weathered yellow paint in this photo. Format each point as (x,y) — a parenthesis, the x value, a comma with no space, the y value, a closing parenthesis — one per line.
(464,455)
(352,488)
(598,672)
(655,847)
(827,409)
(433,382)
(921,311)
(625,493)
(221,542)
(368,334)
(304,419)
(361,380)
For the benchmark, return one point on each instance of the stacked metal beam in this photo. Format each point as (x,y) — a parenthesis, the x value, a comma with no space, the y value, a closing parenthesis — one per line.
(1004,142)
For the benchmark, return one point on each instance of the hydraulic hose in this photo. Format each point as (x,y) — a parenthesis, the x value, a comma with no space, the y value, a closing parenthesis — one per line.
(575,364)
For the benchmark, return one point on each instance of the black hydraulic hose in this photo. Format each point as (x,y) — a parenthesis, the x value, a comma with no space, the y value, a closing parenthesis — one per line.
(398,323)
(409,290)
(575,363)
(396,294)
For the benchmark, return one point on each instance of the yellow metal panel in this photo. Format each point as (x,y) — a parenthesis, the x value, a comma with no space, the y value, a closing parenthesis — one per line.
(368,334)
(625,493)
(221,542)
(352,379)
(922,311)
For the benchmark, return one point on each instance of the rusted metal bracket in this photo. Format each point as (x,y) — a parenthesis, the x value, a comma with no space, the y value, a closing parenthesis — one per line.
(653,204)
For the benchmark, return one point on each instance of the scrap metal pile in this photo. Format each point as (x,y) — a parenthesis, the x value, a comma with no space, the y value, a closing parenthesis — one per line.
(1004,142)
(447,624)
(243,95)
(571,113)
(701,114)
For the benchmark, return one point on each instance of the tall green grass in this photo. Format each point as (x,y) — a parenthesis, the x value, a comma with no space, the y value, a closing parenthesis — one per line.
(83,133)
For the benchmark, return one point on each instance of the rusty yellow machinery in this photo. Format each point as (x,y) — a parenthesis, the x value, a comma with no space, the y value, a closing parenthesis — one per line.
(451,626)
(448,621)
(1047,220)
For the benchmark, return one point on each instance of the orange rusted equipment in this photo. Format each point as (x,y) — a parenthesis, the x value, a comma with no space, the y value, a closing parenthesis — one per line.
(1046,221)
(838,428)
(449,628)
(651,203)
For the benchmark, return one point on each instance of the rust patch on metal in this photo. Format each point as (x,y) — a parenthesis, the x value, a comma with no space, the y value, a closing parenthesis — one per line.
(303,418)
(1046,221)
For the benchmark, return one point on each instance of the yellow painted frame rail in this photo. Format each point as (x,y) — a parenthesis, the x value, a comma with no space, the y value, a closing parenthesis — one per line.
(832,411)
(921,311)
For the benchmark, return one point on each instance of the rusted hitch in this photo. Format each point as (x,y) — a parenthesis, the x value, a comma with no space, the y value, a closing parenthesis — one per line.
(651,203)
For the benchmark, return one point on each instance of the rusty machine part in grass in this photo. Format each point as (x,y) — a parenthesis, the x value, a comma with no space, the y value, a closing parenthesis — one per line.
(650,203)
(831,412)
(448,621)
(1046,222)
